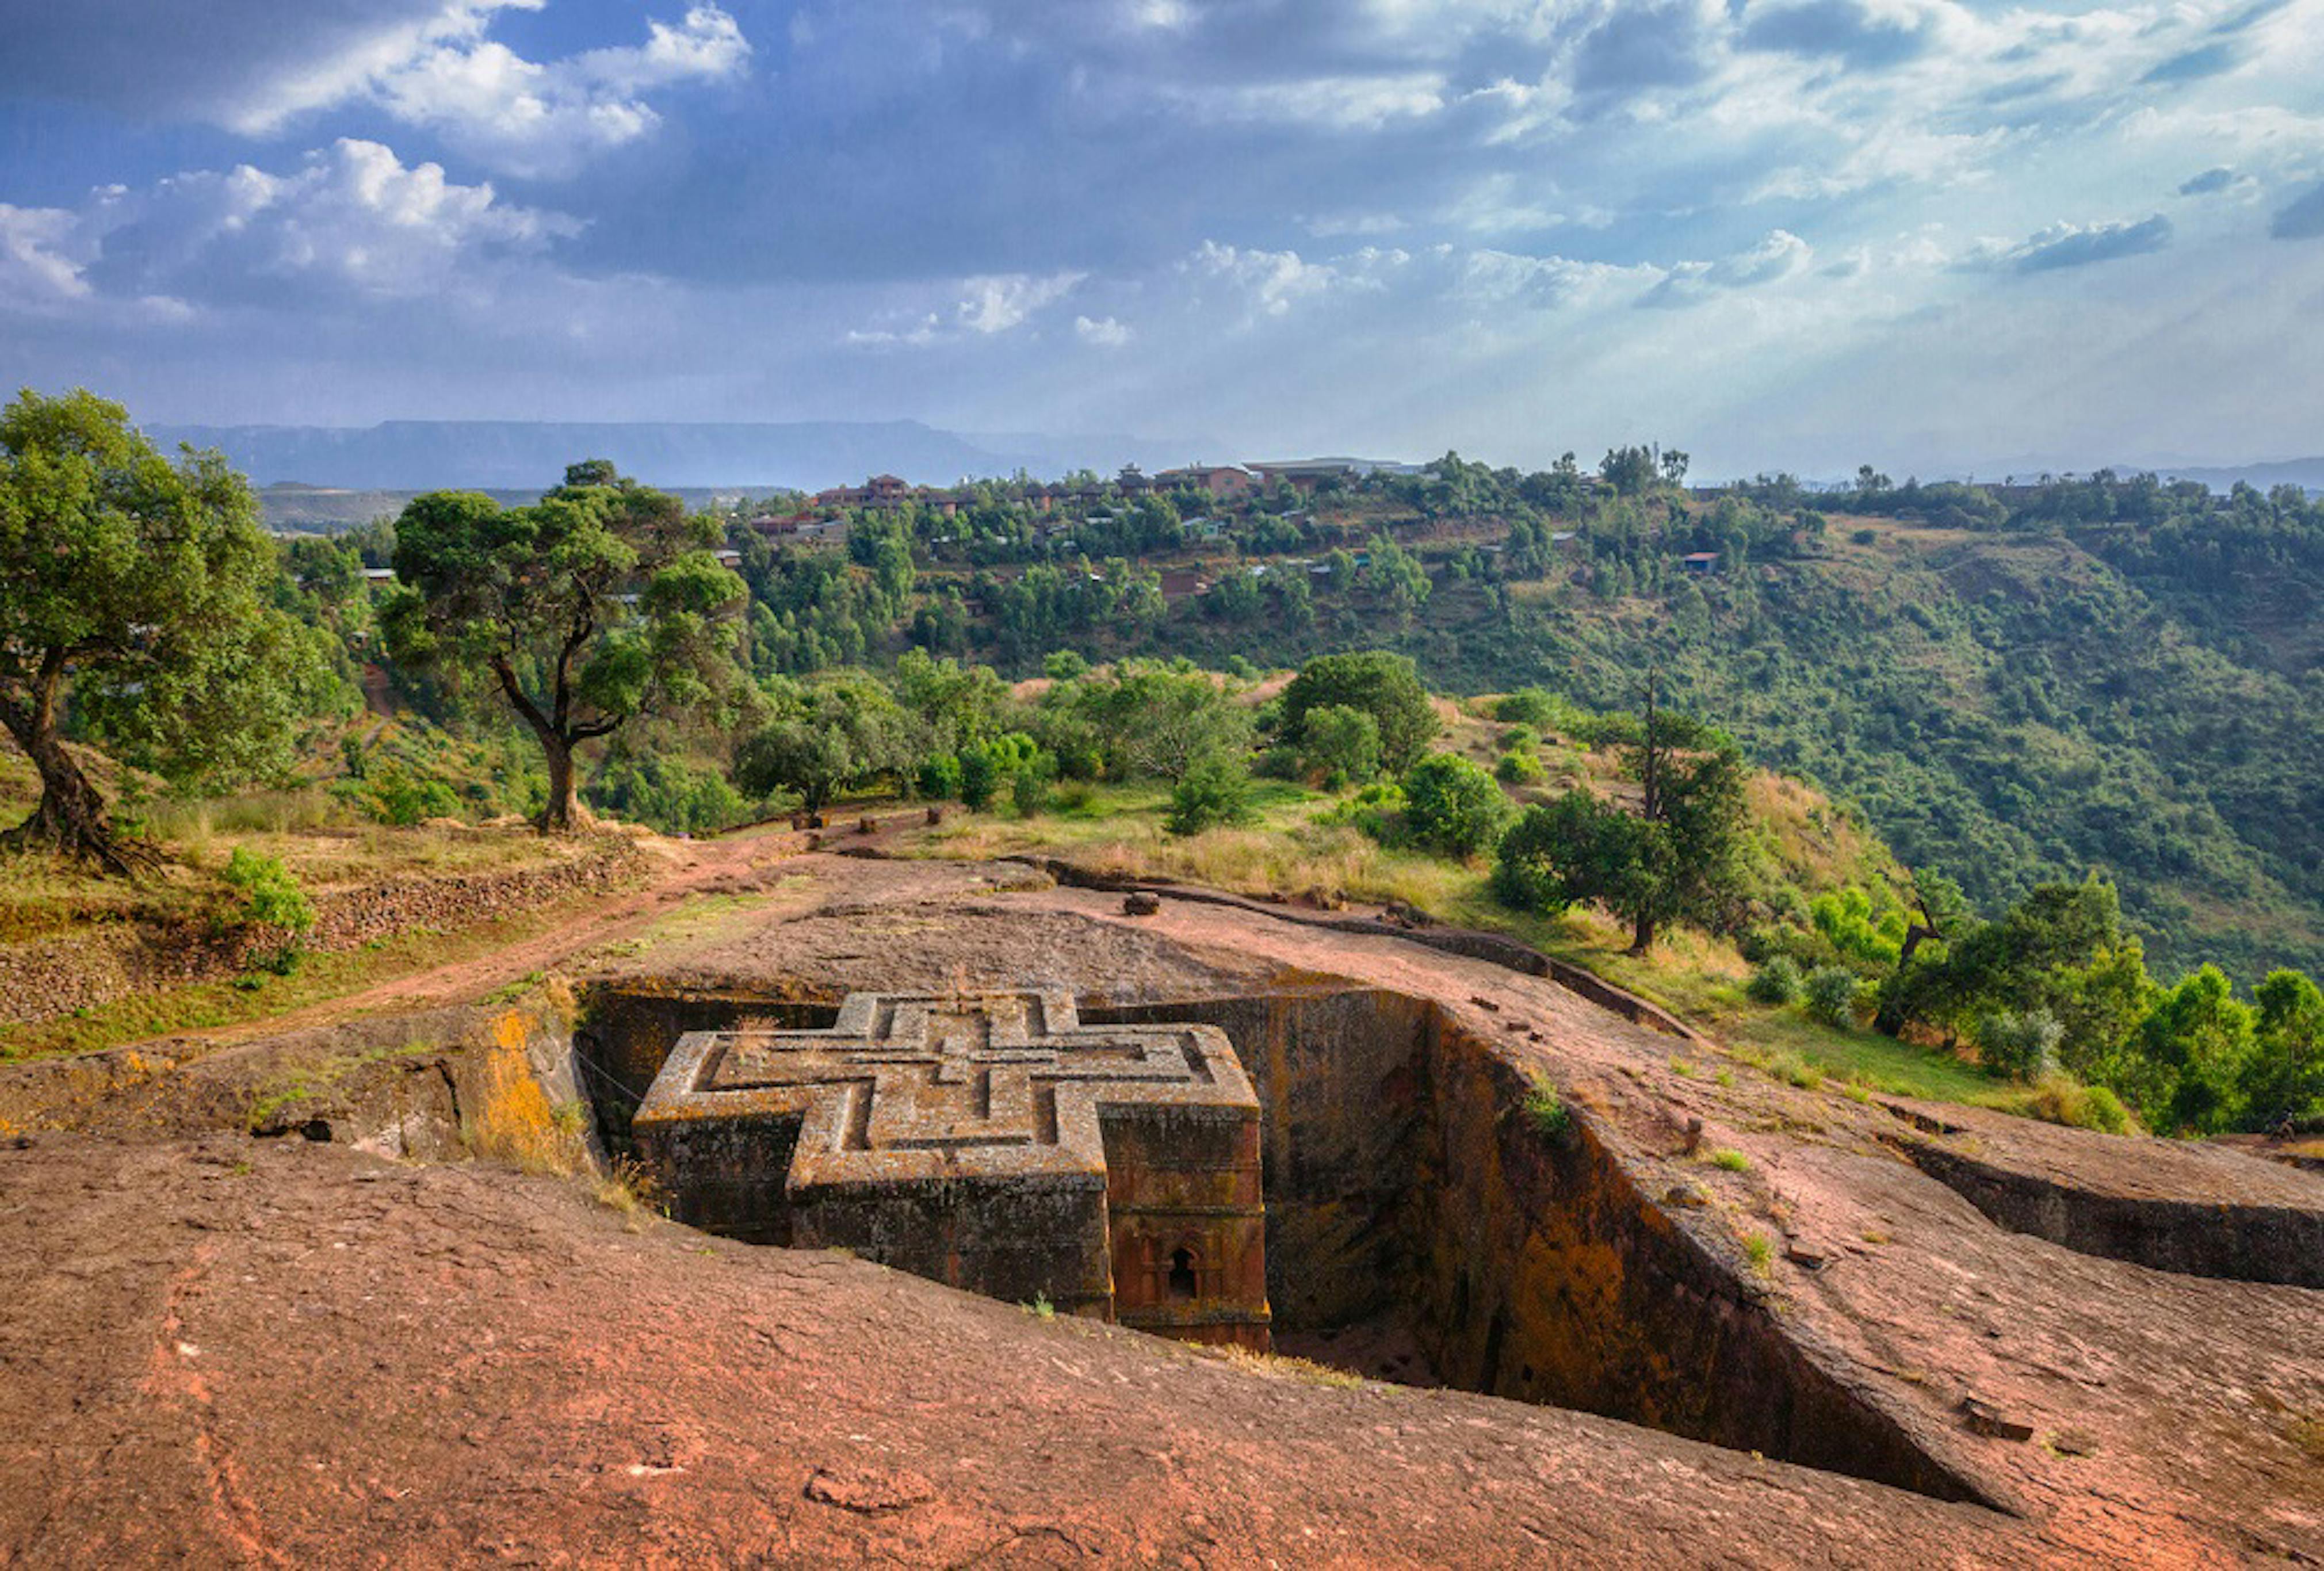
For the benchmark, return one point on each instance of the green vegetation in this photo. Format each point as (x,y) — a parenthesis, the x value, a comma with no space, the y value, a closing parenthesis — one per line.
(141,580)
(1453,805)
(273,902)
(1678,856)
(1547,1112)
(535,596)
(2097,686)
(1386,686)
(1777,981)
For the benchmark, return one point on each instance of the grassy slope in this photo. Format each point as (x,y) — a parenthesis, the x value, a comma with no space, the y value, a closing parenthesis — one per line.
(1802,839)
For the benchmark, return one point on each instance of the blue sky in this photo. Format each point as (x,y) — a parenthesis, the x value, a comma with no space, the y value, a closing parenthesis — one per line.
(1936,235)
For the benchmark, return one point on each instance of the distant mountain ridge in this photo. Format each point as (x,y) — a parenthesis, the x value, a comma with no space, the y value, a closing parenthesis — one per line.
(2307,473)
(423,455)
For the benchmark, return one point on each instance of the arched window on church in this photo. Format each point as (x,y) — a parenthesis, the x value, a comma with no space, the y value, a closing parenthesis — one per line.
(1183,1281)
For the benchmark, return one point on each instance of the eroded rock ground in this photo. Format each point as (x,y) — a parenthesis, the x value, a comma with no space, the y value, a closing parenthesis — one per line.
(219,1349)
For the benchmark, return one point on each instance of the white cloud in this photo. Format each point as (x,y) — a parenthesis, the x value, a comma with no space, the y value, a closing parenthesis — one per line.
(997,304)
(1778,256)
(1270,281)
(351,222)
(549,120)
(1105,332)
(38,267)
(1347,103)
(260,67)
(2066,245)
(989,306)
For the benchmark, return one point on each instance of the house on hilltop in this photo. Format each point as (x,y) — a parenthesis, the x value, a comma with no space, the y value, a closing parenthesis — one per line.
(1224,481)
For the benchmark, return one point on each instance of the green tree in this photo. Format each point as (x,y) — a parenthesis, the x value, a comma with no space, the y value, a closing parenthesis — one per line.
(2283,1080)
(1341,741)
(1453,806)
(599,604)
(1384,686)
(2061,950)
(1216,790)
(1160,721)
(2197,1043)
(993,764)
(139,581)
(838,732)
(1678,858)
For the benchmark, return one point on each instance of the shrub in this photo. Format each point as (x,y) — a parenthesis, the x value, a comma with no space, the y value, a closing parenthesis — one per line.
(2059,1098)
(939,777)
(1727,1160)
(1028,791)
(1831,994)
(273,900)
(1760,1250)
(1453,806)
(1546,1110)
(1216,790)
(1374,810)
(1777,981)
(397,796)
(1384,686)
(1863,537)
(1516,768)
(988,765)
(2023,1047)
(1794,1070)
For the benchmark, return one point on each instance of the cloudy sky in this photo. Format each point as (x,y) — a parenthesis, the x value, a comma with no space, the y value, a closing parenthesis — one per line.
(1936,235)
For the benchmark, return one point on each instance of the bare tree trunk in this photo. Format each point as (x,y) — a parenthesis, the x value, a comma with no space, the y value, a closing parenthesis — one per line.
(563,812)
(1642,934)
(71,818)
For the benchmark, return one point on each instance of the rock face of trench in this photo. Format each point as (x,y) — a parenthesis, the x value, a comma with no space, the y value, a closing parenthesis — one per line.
(2239,1242)
(1399,1186)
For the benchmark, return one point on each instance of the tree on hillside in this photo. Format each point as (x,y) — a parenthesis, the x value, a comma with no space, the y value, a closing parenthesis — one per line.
(1678,857)
(138,583)
(1161,721)
(837,732)
(2061,950)
(601,603)
(1453,805)
(2283,1080)
(1341,742)
(1630,471)
(1384,686)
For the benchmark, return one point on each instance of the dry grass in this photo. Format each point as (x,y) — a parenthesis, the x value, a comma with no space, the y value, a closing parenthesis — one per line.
(42,894)
(1120,833)
(1280,1366)
(631,1191)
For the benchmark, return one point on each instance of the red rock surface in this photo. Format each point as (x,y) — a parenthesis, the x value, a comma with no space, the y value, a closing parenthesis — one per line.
(288,1353)
(282,1353)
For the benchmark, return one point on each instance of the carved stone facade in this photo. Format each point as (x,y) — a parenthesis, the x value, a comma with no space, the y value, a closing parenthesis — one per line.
(990,1140)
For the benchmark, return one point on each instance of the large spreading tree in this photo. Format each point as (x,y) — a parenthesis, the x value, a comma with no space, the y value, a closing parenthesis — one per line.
(133,591)
(601,603)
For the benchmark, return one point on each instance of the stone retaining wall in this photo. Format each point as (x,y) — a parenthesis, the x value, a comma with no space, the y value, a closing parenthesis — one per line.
(57,976)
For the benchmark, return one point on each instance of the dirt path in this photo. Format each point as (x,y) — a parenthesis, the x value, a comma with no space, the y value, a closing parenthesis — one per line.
(679,868)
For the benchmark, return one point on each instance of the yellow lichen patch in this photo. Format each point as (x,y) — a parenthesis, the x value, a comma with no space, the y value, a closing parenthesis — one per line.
(512,1121)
